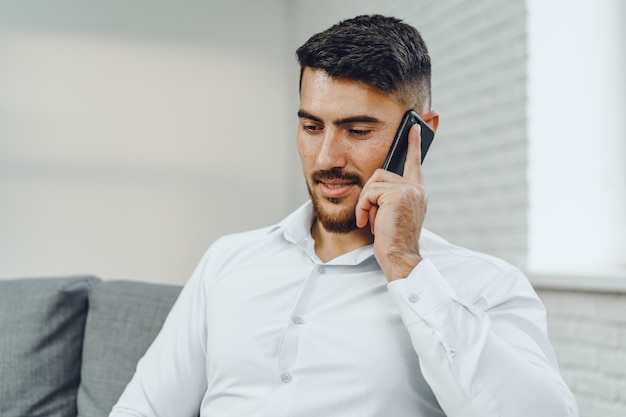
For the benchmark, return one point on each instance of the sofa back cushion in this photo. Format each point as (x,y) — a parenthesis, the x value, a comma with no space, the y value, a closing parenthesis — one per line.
(41,335)
(124,318)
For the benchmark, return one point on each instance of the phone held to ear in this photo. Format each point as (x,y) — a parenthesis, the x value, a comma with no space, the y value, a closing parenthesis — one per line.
(397,152)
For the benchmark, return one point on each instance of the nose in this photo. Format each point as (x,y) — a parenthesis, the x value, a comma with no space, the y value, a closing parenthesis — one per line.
(331,153)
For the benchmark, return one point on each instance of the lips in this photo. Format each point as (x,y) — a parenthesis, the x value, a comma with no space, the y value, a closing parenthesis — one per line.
(336,189)
(335,183)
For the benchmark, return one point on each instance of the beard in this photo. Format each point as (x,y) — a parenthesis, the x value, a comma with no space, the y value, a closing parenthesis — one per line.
(343,219)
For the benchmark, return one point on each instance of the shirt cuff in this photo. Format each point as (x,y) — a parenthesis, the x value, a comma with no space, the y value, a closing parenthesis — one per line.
(421,293)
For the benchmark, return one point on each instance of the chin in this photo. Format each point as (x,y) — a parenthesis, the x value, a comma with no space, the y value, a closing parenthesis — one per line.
(334,216)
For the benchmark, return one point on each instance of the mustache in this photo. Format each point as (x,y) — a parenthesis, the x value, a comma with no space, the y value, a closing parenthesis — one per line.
(336,174)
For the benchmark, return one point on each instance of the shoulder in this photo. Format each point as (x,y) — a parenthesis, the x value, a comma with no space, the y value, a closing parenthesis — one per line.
(472,273)
(238,247)
(247,250)
(239,250)
(440,250)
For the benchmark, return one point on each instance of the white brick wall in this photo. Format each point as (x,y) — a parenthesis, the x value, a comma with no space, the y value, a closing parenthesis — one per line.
(588,332)
(476,170)
(476,175)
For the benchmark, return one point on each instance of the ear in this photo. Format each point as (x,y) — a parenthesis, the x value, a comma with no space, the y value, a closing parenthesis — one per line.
(432,118)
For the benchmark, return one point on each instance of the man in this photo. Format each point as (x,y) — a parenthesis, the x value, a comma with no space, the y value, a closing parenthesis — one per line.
(348,307)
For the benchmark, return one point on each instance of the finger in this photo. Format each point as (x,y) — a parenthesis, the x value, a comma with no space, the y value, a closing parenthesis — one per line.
(413,164)
(372,215)
(367,205)
(362,211)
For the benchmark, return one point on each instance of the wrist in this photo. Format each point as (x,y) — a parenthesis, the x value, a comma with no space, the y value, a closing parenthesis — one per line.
(403,268)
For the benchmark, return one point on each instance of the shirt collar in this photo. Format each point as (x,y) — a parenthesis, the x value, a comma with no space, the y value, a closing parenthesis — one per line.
(296,229)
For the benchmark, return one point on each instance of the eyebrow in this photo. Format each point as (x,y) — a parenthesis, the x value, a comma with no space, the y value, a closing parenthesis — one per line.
(352,119)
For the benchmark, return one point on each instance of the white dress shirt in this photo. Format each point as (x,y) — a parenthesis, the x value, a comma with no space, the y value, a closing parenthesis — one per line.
(264,328)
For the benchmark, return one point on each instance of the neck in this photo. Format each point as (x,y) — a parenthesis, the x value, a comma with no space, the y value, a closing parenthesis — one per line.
(330,245)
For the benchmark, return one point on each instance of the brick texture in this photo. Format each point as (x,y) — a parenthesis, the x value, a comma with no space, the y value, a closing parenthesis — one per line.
(588,332)
(476,174)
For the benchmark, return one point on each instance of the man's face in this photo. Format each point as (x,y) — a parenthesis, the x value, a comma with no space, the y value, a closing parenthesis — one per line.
(345,130)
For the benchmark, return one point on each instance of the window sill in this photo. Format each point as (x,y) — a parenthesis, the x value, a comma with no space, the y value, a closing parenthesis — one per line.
(601,280)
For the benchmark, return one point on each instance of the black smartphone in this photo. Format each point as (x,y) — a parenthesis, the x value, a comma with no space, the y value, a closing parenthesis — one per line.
(398,150)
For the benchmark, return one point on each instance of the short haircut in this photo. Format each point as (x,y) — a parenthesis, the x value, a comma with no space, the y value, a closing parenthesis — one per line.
(382,52)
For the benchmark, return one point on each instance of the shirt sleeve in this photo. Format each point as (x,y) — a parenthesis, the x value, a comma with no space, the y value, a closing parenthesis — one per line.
(170,379)
(486,354)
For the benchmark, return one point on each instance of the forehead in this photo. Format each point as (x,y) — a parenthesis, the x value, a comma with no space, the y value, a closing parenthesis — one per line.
(321,94)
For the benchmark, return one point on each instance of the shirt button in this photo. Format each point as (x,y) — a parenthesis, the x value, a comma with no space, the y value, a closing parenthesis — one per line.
(321,269)
(451,353)
(286,378)
(297,320)
(413,298)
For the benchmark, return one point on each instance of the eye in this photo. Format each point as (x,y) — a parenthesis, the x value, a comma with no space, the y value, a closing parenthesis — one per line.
(359,132)
(311,128)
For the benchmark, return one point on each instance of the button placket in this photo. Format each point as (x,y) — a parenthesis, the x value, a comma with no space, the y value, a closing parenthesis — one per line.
(288,351)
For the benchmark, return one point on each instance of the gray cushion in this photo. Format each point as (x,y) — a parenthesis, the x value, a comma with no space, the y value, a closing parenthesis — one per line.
(41,334)
(124,318)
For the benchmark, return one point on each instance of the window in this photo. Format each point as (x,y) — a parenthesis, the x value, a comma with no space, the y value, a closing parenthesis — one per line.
(577,137)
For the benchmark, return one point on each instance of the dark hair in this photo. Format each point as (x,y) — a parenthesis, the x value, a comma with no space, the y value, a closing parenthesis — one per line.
(383,52)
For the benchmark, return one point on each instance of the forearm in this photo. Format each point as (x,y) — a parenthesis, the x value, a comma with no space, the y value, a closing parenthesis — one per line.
(481,360)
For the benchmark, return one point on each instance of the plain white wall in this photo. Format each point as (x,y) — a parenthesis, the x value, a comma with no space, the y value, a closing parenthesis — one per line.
(133,134)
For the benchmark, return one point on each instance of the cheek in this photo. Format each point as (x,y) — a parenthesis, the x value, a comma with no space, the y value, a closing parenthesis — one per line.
(364,157)
(307,153)
(372,158)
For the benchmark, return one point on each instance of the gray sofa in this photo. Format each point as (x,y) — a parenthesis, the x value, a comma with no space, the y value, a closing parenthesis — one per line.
(69,346)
